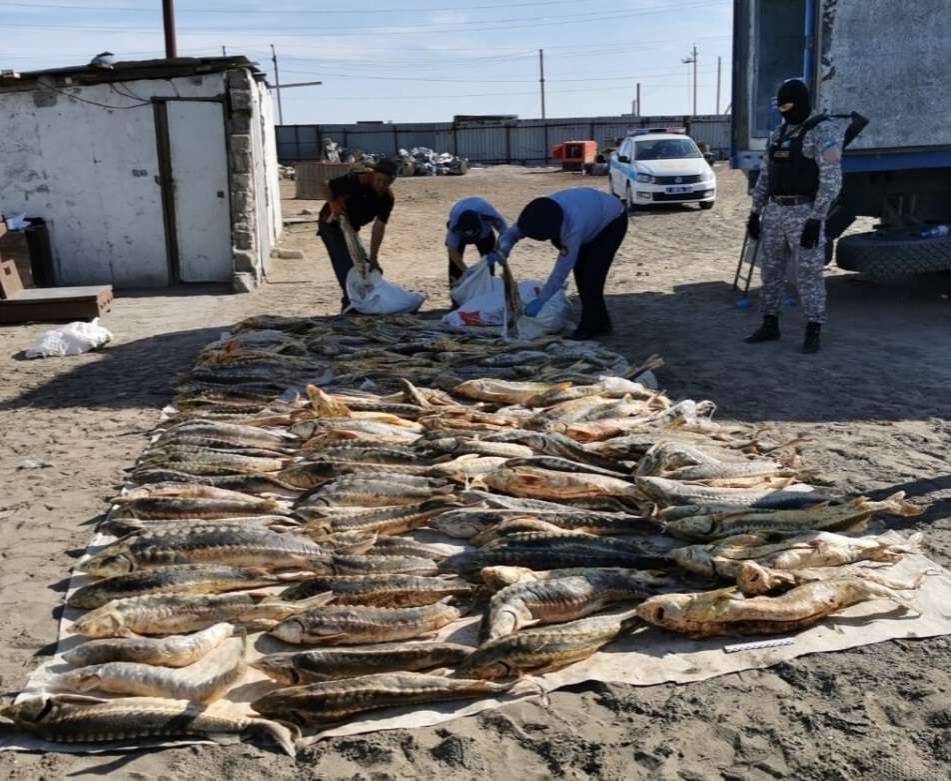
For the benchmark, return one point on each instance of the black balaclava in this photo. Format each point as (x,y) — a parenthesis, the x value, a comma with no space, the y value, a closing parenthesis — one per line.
(469,224)
(541,220)
(796,92)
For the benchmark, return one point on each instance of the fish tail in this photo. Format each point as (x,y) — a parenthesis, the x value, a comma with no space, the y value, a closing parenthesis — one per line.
(318,600)
(526,687)
(283,735)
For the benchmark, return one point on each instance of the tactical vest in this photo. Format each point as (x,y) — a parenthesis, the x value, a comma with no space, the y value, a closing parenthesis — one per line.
(791,172)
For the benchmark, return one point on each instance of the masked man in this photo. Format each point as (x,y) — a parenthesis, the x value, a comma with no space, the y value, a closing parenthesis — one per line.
(800,177)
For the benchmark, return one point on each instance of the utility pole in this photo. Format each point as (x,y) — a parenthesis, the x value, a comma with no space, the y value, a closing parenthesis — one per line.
(695,79)
(224,51)
(168,17)
(692,60)
(639,110)
(277,87)
(718,86)
(541,79)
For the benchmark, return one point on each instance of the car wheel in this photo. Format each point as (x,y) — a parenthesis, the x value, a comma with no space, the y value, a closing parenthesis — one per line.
(707,204)
(629,199)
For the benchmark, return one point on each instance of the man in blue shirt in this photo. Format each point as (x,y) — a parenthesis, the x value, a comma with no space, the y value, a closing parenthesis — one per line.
(471,221)
(587,226)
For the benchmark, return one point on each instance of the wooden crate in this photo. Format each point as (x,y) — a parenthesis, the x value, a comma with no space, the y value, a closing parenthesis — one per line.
(10,282)
(56,304)
(311,178)
(15,248)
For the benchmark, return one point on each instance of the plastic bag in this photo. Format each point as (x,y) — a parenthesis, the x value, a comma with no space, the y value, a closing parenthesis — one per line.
(489,310)
(71,339)
(477,281)
(373,295)
(554,316)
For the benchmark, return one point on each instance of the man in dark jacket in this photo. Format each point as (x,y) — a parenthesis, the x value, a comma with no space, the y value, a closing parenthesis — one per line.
(362,198)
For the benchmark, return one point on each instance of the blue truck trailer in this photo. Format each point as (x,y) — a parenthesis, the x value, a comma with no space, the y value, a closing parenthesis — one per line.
(891,63)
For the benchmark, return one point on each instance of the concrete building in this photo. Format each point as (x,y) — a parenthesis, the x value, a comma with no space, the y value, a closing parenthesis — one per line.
(147,173)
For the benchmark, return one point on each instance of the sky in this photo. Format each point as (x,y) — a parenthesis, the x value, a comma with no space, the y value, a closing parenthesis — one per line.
(412,60)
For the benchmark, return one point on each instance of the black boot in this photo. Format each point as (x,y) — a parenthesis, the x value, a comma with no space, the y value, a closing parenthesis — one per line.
(589,332)
(767,332)
(811,343)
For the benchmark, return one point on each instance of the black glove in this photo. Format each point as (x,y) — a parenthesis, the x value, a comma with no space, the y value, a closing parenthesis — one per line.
(810,234)
(752,225)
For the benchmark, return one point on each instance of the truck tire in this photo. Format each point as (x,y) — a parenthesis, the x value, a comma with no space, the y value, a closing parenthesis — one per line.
(893,253)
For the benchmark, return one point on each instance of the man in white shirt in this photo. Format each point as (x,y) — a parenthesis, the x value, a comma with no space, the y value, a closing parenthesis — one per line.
(587,226)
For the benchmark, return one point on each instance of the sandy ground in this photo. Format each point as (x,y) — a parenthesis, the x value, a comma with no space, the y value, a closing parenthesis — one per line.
(876,400)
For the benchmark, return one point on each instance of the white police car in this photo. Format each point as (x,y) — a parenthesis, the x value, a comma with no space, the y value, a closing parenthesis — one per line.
(652,167)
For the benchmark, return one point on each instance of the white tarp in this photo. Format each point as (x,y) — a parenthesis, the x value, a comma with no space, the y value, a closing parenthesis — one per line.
(645,657)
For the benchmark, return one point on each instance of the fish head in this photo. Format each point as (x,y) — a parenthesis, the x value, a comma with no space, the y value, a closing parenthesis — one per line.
(81,680)
(460,527)
(650,488)
(667,611)
(498,577)
(279,668)
(108,563)
(28,709)
(304,429)
(279,704)
(488,663)
(290,630)
(690,555)
(102,622)
(318,528)
(441,501)
(499,669)
(754,579)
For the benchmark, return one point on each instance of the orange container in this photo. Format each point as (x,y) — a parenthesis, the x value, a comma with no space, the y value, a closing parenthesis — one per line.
(575,155)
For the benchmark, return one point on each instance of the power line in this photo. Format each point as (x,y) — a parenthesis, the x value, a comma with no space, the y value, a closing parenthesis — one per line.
(271,11)
(376,62)
(441,61)
(296,11)
(627,79)
(434,96)
(317,32)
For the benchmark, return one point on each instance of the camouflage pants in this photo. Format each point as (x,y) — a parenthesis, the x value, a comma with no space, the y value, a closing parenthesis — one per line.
(781,232)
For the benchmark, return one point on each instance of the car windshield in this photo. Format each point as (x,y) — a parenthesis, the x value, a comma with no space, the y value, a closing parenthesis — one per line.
(666,149)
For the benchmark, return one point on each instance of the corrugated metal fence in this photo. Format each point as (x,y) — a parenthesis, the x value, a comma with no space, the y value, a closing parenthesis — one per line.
(523,141)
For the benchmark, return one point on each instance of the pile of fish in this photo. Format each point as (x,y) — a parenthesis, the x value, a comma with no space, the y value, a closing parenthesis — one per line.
(357,489)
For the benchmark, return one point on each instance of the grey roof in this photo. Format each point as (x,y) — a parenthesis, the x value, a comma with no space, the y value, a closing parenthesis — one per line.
(132,70)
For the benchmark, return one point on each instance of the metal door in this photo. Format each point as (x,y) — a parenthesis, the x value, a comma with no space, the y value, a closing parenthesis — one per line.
(199,170)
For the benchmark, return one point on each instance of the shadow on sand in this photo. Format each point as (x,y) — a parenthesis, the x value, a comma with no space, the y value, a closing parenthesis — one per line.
(885,355)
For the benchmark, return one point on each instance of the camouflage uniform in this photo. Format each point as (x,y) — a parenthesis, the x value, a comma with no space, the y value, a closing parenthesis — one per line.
(782,225)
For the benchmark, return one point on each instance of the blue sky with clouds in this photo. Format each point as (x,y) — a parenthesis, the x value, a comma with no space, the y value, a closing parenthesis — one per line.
(411,60)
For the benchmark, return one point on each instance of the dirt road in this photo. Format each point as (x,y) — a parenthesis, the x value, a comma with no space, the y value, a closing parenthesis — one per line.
(876,400)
